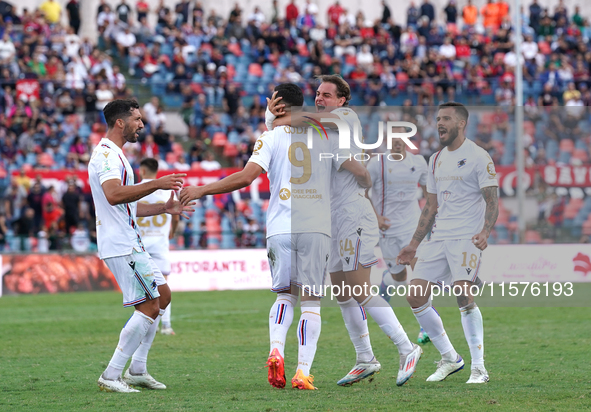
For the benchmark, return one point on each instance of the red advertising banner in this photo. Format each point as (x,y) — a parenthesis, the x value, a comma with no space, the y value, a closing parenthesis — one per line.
(27,90)
(558,176)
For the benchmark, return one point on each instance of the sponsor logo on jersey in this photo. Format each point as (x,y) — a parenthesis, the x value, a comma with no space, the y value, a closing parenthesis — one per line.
(412,169)
(468,270)
(446,195)
(284,194)
(132,264)
(106,166)
(106,154)
(462,163)
(359,230)
(347,260)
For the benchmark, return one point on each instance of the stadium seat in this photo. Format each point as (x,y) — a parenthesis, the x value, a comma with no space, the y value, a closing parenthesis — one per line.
(230,150)
(580,154)
(566,145)
(255,69)
(219,139)
(532,236)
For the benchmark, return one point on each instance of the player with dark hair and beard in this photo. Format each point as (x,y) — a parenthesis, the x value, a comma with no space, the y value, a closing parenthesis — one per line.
(461,210)
(115,198)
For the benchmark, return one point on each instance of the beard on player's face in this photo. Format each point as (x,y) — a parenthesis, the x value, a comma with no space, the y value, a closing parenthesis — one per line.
(448,136)
(131,133)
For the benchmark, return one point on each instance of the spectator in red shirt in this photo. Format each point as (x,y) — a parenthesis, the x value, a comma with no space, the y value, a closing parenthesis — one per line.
(334,13)
(142,9)
(51,215)
(291,12)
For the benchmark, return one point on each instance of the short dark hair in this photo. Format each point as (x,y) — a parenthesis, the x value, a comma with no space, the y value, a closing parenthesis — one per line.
(459,108)
(291,94)
(343,89)
(151,164)
(119,109)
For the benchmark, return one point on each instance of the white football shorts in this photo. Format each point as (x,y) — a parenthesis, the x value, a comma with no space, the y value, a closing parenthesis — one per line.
(138,277)
(298,259)
(447,261)
(391,247)
(354,236)
(162,260)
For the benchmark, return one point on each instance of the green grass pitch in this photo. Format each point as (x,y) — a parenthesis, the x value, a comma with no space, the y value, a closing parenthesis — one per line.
(54,347)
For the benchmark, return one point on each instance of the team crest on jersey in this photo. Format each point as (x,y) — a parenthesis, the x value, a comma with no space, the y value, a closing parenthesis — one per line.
(490,168)
(462,163)
(258,146)
(284,194)
(446,195)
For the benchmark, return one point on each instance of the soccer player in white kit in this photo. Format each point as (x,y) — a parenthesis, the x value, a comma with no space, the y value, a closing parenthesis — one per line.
(156,231)
(119,244)
(354,236)
(395,200)
(298,229)
(462,208)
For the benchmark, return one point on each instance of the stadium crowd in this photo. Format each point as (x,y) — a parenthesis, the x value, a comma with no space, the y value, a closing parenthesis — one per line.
(217,71)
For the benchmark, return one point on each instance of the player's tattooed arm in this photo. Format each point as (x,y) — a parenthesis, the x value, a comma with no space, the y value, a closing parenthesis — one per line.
(492,207)
(427,218)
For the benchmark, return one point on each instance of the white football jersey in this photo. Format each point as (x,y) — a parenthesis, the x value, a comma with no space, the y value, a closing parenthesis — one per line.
(344,188)
(299,180)
(155,230)
(457,177)
(116,228)
(394,192)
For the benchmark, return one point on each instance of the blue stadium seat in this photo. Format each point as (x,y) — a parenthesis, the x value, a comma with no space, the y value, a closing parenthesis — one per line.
(564,157)
(172,100)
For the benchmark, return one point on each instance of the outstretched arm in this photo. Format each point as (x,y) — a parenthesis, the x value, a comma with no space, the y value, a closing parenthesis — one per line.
(233,182)
(490,216)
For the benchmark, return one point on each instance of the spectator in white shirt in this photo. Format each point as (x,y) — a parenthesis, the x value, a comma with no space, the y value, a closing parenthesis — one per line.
(103,96)
(529,48)
(149,109)
(447,50)
(125,39)
(365,58)
(258,17)
(209,163)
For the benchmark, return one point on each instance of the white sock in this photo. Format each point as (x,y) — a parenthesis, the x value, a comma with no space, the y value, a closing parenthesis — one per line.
(397,283)
(140,356)
(382,313)
(474,332)
(280,318)
(129,340)
(166,317)
(431,323)
(308,334)
(356,324)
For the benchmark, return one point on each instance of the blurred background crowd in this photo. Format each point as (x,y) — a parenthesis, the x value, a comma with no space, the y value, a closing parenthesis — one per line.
(210,74)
